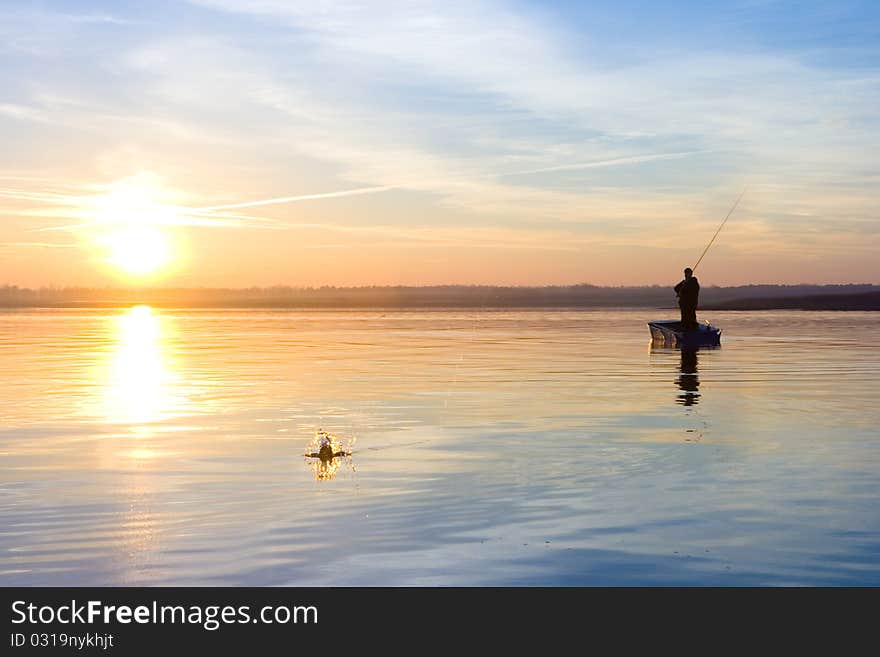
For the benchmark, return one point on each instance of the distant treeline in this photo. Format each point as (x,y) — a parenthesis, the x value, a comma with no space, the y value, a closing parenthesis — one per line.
(859,301)
(437,296)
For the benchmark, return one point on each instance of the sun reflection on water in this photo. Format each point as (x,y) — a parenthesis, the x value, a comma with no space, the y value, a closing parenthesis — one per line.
(143,388)
(142,385)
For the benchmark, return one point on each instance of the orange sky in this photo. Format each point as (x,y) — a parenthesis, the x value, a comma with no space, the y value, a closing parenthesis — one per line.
(227,145)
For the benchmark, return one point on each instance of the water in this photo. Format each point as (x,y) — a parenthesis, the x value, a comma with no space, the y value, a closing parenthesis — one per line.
(148,447)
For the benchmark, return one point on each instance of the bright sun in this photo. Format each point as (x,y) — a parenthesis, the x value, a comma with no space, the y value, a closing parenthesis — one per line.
(138,250)
(133,226)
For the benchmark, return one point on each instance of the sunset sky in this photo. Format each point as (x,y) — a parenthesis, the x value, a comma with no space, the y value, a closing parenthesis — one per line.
(259,142)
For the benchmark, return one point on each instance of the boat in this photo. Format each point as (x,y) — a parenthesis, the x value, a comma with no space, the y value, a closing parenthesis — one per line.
(671,333)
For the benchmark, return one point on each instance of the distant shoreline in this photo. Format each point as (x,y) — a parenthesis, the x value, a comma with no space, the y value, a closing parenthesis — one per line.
(842,302)
(749,297)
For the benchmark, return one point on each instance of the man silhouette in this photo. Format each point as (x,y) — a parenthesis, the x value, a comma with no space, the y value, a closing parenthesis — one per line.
(688,292)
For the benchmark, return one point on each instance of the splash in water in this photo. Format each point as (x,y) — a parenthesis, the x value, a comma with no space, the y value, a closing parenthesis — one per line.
(326,453)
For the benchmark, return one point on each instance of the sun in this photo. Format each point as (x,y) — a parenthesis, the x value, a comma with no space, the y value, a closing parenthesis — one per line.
(138,250)
(132,226)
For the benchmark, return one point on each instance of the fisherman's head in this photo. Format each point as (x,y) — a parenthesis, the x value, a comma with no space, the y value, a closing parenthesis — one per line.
(688,272)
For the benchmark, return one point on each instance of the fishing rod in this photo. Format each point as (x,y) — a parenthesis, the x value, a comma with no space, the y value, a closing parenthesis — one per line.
(694,268)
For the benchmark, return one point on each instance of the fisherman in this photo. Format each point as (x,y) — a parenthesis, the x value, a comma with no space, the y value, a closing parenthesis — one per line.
(688,292)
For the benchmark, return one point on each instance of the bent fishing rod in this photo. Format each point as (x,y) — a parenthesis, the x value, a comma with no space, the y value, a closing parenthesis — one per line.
(694,268)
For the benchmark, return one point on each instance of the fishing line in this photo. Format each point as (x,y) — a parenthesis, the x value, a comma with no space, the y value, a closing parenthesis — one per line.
(694,268)
(478,315)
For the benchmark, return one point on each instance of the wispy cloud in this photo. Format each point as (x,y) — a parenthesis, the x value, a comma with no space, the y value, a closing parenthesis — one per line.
(731,104)
(107,19)
(23,112)
(255,107)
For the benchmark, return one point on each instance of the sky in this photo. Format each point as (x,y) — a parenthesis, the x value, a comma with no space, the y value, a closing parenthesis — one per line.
(237,143)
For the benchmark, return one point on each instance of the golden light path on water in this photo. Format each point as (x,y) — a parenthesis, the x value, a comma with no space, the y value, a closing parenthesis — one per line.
(142,387)
(141,384)
(138,392)
(147,395)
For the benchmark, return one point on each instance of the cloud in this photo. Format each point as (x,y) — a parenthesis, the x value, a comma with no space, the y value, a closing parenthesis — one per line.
(760,115)
(22,112)
(457,106)
(105,19)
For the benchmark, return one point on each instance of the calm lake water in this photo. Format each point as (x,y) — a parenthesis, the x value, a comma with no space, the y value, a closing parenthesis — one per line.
(162,447)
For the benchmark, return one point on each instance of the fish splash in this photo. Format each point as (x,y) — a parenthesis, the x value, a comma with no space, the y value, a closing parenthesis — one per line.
(326,453)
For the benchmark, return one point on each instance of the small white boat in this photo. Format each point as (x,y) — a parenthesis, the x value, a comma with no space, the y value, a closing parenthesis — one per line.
(670,332)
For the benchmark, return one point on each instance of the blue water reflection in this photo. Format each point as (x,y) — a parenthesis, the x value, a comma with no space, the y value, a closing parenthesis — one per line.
(146,446)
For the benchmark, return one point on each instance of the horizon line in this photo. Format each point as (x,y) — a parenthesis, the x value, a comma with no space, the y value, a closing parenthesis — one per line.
(288,286)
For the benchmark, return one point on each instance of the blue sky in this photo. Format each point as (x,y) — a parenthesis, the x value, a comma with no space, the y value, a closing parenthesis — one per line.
(506,142)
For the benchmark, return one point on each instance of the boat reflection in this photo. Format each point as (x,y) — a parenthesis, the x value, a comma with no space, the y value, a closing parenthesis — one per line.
(688,380)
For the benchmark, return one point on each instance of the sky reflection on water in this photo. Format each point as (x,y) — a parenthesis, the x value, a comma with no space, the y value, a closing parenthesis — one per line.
(146,446)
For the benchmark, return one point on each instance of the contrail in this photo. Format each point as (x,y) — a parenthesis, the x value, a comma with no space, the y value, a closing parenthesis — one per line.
(294,199)
(45,245)
(187,216)
(635,159)
(36,179)
(205,216)
(182,220)
(46,229)
(44,197)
